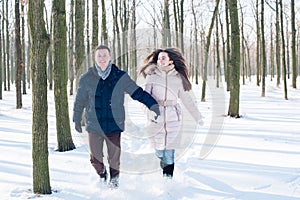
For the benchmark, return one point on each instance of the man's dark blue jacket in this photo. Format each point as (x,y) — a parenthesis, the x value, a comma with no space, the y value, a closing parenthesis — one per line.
(103,100)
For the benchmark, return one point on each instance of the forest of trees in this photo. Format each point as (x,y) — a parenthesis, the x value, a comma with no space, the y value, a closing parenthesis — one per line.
(47,45)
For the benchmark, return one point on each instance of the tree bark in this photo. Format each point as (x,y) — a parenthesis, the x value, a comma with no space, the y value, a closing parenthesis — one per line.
(166,34)
(207,49)
(258,44)
(79,39)
(278,62)
(60,74)
(39,47)
(263,47)
(104,34)
(71,47)
(234,100)
(283,51)
(95,25)
(24,66)
(227,67)
(133,47)
(1,66)
(294,54)
(18,50)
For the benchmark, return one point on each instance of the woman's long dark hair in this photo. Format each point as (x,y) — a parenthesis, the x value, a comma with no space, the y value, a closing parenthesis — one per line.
(178,60)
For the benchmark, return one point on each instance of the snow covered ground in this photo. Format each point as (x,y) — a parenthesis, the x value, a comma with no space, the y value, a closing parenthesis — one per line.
(256,157)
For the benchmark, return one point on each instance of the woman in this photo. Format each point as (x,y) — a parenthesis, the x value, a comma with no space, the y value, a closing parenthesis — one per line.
(167,81)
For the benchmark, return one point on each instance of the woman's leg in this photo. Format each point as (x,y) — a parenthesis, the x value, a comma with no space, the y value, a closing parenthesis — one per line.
(169,163)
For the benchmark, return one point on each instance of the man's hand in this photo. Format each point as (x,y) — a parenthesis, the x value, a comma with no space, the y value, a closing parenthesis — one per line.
(155,108)
(200,122)
(78,127)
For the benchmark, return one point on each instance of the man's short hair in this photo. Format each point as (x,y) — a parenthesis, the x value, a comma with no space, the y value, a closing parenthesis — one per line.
(102,47)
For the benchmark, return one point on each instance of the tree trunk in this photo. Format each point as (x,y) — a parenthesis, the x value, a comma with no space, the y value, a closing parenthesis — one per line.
(117,40)
(124,21)
(50,51)
(288,66)
(39,47)
(243,57)
(263,47)
(24,66)
(60,72)
(79,39)
(283,51)
(95,25)
(87,27)
(272,64)
(218,68)
(133,47)
(1,66)
(207,49)
(176,24)
(181,25)
(71,48)
(196,55)
(8,54)
(223,47)
(18,50)
(278,62)
(294,55)
(228,48)
(104,34)
(258,44)
(166,34)
(235,61)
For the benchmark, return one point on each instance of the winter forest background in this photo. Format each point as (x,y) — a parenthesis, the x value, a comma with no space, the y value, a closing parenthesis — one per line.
(47,45)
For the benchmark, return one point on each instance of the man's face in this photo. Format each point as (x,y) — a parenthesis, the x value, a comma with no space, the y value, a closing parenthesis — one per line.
(102,58)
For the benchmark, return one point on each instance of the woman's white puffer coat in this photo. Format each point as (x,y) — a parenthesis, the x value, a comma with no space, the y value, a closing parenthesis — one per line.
(167,88)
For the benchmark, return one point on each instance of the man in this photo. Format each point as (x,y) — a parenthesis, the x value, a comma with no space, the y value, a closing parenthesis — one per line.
(101,93)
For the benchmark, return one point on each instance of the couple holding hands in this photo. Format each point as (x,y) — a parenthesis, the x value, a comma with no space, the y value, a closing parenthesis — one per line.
(101,93)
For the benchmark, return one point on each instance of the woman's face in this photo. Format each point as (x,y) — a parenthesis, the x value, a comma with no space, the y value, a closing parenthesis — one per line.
(163,59)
